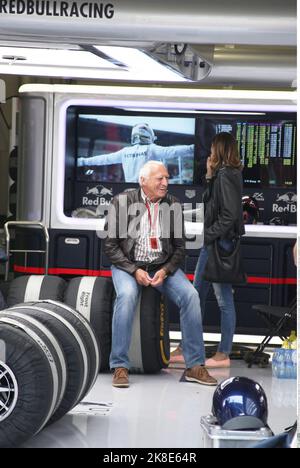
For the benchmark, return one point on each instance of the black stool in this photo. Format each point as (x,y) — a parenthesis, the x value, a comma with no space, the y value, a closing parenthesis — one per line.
(280,320)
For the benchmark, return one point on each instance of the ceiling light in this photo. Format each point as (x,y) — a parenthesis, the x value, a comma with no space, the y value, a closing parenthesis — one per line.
(85,64)
(57,58)
(141,65)
(195,111)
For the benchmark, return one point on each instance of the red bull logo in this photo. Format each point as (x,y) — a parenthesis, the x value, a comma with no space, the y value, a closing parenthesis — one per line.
(285,203)
(99,190)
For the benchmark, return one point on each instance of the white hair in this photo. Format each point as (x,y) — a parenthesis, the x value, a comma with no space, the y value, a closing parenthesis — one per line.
(147,168)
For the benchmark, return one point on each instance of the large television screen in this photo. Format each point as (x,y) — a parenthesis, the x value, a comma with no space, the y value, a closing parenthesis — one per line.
(112,146)
(267,146)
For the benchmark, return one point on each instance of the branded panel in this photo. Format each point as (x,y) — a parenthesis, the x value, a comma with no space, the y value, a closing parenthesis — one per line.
(93,150)
(81,21)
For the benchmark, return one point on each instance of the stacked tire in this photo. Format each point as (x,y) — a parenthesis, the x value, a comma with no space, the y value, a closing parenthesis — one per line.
(35,287)
(31,380)
(93,297)
(149,350)
(49,361)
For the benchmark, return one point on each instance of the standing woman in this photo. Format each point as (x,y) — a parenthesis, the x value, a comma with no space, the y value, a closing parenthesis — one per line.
(223,221)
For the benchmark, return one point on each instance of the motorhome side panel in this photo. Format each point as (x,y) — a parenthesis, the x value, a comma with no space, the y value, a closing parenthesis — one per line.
(72,200)
(35,148)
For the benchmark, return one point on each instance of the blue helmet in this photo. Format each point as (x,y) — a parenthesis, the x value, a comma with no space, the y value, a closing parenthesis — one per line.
(142,134)
(240,403)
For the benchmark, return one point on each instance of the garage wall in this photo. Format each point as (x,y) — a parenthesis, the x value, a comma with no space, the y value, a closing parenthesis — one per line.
(12,84)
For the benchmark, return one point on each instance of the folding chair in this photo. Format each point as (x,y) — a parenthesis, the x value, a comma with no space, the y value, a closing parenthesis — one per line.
(280,320)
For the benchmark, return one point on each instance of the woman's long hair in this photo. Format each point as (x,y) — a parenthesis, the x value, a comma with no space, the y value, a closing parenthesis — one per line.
(225,152)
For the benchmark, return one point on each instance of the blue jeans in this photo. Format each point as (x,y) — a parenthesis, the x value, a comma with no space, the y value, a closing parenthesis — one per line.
(179,290)
(224,296)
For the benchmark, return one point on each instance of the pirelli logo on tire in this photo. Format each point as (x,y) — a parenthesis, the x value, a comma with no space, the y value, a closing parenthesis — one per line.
(162,332)
(162,319)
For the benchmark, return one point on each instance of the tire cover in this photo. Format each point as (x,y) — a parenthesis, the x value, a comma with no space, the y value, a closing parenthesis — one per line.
(30,366)
(93,297)
(35,287)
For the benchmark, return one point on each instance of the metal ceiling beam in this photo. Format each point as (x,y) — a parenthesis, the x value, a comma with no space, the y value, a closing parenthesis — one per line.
(231,65)
(259,22)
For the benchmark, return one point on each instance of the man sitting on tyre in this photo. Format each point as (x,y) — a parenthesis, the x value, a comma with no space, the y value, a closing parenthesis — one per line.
(145,244)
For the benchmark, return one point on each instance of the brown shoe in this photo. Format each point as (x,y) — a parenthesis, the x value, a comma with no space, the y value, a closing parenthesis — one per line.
(120,378)
(200,375)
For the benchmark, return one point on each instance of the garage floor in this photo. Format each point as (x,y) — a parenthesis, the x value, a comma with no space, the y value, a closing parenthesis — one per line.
(158,411)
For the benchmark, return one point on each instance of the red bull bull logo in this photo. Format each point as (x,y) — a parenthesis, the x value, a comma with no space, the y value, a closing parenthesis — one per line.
(285,203)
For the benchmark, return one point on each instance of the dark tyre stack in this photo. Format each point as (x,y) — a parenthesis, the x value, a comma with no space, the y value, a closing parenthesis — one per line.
(49,361)
(34,288)
(50,352)
(78,343)
(149,350)
(93,298)
(33,376)
(150,346)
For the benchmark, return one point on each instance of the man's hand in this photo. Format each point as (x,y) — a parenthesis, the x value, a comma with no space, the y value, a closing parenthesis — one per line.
(158,278)
(142,277)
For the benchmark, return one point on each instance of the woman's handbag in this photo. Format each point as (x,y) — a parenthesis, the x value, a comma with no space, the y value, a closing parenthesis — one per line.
(222,267)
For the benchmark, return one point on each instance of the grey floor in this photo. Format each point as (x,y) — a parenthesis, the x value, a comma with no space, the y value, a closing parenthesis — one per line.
(158,411)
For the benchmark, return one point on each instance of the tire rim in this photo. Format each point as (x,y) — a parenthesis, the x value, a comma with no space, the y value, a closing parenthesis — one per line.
(8,391)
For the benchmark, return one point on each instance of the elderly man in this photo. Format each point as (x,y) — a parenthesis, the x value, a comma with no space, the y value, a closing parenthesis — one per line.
(146,248)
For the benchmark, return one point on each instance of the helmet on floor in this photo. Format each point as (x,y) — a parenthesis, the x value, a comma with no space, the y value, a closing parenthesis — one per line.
(250,210)
(240,403)
(142,134)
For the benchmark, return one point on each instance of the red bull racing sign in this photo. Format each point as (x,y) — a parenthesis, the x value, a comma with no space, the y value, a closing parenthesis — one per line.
(57,8)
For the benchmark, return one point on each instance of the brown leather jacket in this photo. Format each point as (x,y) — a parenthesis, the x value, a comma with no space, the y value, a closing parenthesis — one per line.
(119,244)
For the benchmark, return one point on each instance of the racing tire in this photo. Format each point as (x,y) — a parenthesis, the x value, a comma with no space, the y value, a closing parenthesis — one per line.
(65,329)
(35,287)
(31,379)
(93,298)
